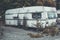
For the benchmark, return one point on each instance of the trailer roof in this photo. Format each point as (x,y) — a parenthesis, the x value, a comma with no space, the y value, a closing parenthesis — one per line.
(31,9)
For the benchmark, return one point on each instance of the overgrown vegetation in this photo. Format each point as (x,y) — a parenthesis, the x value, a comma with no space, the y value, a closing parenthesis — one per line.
(7,4)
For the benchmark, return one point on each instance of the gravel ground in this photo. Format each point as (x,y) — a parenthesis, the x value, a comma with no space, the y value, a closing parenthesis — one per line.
(12,33)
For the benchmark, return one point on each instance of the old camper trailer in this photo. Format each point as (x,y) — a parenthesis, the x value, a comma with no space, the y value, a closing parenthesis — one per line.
(28,16)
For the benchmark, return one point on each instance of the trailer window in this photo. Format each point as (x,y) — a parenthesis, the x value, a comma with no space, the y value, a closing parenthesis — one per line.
(36,15)
(51,15)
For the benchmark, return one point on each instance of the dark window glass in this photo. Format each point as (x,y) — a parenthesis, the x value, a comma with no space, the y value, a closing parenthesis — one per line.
(36,15)
(58,15)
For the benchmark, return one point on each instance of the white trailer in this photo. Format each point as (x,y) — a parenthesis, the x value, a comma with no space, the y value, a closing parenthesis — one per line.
(28,16)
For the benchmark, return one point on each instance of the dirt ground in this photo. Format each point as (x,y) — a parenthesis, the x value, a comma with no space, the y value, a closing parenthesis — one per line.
(15,33)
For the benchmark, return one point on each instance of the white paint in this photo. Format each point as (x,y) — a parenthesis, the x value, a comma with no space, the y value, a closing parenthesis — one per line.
(10,16)
(21,16)
(31,9)
(11,22)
